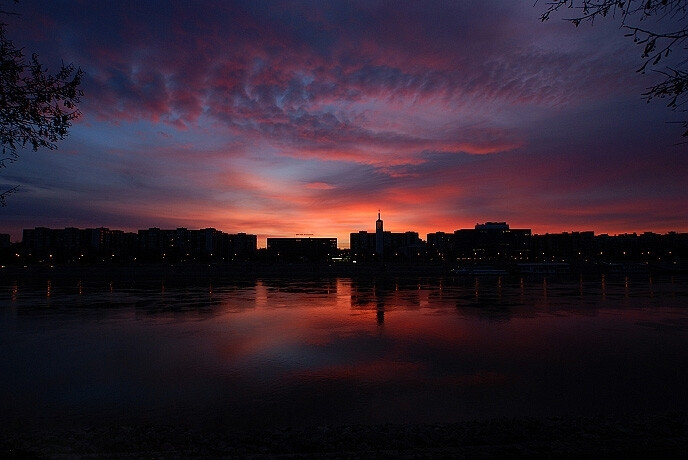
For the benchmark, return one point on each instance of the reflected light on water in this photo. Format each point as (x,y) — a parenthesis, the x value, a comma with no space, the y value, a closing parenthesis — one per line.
(604,286)
(285,352)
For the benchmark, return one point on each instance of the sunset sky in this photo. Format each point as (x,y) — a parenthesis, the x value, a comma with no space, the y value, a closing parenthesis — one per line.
(278,118)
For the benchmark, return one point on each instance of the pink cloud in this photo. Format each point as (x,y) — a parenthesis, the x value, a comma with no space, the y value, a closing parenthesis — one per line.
(320,186)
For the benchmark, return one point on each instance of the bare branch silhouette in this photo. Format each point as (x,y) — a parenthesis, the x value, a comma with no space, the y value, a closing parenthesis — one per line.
(658,45)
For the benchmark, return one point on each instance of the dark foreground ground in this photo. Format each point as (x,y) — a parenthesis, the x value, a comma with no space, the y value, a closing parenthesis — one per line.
(661,436)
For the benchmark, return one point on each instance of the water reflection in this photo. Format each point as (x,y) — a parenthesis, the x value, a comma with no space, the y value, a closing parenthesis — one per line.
(340,350)
(490,295)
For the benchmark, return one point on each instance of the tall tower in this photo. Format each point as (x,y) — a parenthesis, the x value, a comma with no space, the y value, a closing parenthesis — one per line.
(379,236)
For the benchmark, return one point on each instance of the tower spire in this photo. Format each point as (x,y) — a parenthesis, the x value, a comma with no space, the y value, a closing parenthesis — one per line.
(379,235)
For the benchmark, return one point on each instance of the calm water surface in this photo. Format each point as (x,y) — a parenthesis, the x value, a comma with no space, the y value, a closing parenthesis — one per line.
(268,353)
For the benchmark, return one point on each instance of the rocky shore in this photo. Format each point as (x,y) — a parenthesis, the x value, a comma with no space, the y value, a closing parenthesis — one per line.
(657,436)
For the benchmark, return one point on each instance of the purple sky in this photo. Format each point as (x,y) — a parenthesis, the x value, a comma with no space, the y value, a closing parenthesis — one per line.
(277,118)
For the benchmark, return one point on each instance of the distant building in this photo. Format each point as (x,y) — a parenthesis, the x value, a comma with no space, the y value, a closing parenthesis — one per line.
(4,240)
(440,245)
(302,249)
(392,246)
(73,244)
(379,237)
(488,242)
(362,245)
(493,227)
(492,241)
(242,246)
(205,244)
(153,244)
(574,246)
(38,241)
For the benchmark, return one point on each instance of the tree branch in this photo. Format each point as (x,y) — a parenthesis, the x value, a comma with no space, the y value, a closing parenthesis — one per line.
(657,44)
(5,194)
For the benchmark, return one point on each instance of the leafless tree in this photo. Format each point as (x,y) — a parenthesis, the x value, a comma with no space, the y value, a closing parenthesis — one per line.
(660,27)
(36,108)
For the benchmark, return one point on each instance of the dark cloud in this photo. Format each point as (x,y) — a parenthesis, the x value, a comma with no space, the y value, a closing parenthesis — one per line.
(256,61)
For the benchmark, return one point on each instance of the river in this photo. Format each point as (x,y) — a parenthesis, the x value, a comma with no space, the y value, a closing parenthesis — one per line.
(306,352)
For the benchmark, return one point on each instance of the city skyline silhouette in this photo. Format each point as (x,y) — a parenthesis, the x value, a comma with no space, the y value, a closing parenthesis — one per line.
(515,249)
(371,229)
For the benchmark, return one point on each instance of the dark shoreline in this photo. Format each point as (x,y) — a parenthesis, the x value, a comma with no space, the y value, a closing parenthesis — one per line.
(201,272)
(654,436)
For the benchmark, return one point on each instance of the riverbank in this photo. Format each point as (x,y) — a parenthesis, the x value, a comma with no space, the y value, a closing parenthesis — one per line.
(655,436)
(201,272)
